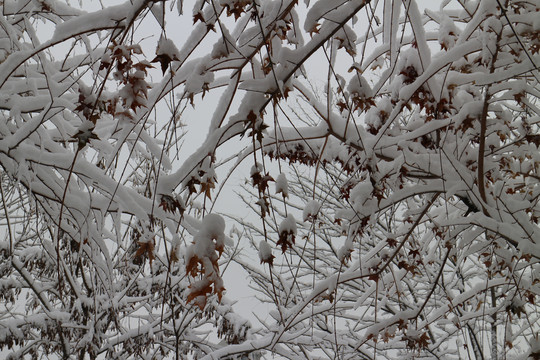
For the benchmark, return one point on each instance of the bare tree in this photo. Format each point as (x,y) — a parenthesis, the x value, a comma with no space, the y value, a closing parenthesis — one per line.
(397,204)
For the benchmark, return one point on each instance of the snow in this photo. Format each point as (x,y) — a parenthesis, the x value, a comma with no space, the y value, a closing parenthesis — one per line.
(536,23)
(415,19)
(265,251)
(319,10)
(225,46)
(288,225)
(213,225)
(391,27)
(256,169)
(110,17)
(311,210)
(448,32)
(282,185)
(535,344)
(211,237)
(167,47)
(359,86)
(198,79)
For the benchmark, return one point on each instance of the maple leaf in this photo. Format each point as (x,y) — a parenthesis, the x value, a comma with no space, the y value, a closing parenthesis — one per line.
(136,104)
(314,29)
(219,289)
(534,139)
(328,296)
(417,341)
(205,89)
(402,324)
(85,134)
(249,122)
(410,74)
(164,60)
(269,260)
(403,265)
(173,256)
(423,341)
(143,66)
(258,130)
(346,256)
(251,116)
(467,123)
(145,249)
(199,291)
(192,265)
(124,114)
(391,242)
(261,181)
(237,8)
(207,187)
(516,307)
(198,17)
(387,336)
(190,96)
(191,185)
(471,208)
(286,240)
(414,252)
(171,204)
(341,105)
(264,204)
